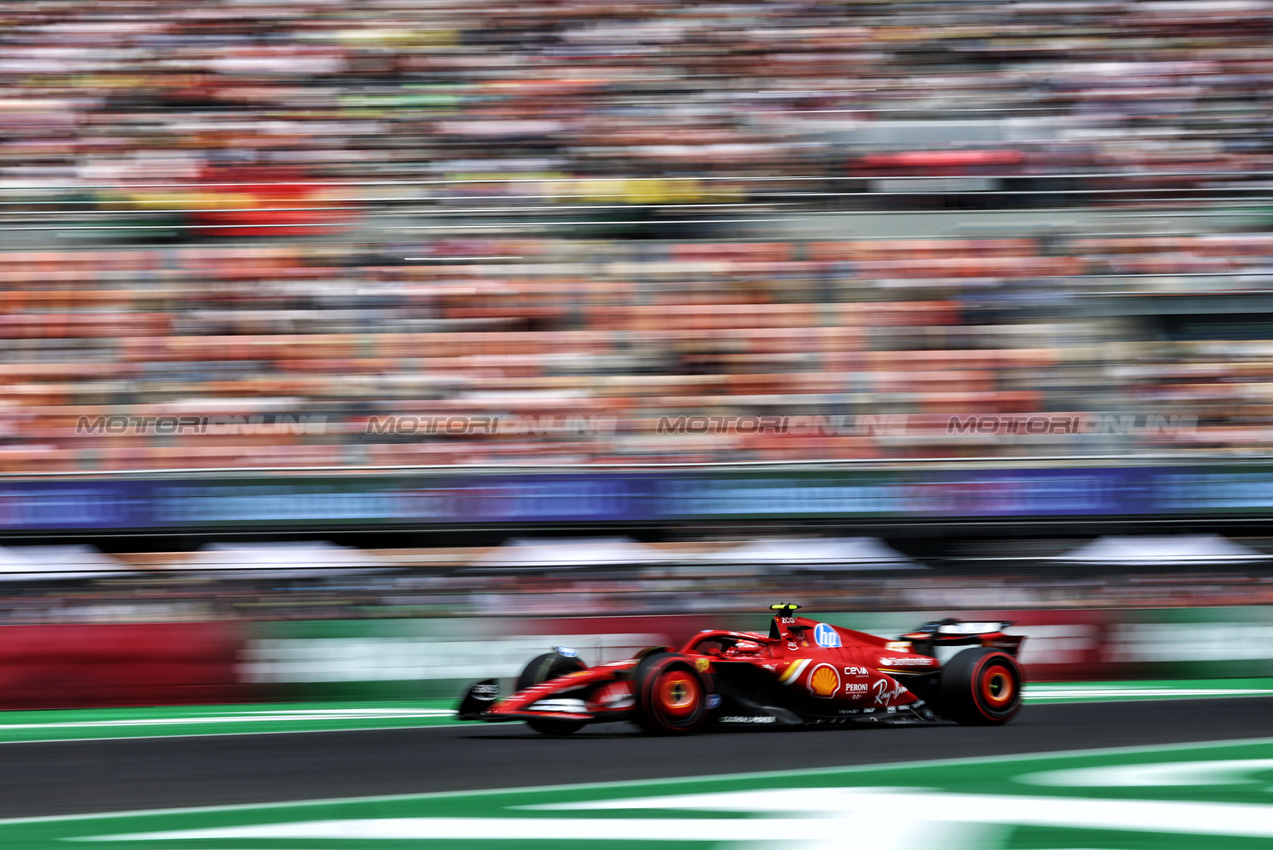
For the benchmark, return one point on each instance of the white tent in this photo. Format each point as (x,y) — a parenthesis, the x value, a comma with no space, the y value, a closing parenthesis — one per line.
(817,553)
(549,553)
(304,559)
(1172,549)
(64,563)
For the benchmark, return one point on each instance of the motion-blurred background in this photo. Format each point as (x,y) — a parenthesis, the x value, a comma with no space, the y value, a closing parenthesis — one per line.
(338,334)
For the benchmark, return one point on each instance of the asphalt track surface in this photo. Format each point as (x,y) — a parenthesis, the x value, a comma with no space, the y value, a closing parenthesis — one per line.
(116,775)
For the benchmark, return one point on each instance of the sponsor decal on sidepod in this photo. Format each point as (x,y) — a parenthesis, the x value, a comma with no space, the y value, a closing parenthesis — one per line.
(826,636)
(913,661)
(824,681)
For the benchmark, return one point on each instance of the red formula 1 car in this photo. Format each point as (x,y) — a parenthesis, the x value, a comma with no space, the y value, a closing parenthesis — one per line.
(801,673)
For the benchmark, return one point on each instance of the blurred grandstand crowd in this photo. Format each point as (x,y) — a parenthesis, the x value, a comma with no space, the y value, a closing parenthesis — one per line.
(613,592)
(208,210)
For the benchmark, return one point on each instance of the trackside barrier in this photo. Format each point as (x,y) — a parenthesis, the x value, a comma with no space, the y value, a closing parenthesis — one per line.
(436,658)
(50,666)
(408,659)
(66,666)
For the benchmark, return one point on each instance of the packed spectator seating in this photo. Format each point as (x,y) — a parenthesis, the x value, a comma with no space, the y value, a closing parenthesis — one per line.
(102,96)
(333,341)
(207,211)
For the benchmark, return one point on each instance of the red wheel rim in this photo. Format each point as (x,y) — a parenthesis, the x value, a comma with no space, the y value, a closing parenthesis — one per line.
(998,687)
(678,693)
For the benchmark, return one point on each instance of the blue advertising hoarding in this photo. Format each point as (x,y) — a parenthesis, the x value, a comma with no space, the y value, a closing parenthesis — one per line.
(429,498)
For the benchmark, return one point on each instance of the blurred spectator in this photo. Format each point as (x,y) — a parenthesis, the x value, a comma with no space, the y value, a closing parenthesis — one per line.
(208,210)
(424,588)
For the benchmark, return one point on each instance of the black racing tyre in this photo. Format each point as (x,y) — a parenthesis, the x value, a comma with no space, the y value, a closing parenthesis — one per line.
(550,665)
(671,695)
(981,687)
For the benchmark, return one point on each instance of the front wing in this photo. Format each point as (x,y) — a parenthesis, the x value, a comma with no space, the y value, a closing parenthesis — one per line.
(595,695)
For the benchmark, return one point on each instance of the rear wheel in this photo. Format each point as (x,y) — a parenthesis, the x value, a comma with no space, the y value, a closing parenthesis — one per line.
(548,666)
(671,695)
(981,687)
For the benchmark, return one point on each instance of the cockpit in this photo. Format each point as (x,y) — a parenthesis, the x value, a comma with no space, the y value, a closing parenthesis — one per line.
(722,645)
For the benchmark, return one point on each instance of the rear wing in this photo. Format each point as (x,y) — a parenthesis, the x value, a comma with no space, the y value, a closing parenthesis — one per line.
(952,632)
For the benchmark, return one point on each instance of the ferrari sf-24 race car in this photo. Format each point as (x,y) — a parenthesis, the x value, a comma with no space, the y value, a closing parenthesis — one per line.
(802,673)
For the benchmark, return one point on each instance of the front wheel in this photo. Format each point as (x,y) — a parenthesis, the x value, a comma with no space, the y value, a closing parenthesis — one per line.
(548,666)
(981,687)
(671,695)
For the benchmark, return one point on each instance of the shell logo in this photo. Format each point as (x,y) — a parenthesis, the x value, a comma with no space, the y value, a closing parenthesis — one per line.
(824,681)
